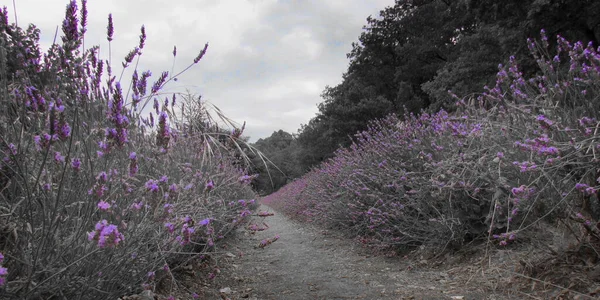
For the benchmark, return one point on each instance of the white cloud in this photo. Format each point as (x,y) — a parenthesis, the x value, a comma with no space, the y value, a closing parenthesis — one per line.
(286,88)
(300,45)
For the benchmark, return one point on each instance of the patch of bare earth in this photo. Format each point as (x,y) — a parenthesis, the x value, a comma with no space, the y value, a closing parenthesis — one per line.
(311,263)
(307,262)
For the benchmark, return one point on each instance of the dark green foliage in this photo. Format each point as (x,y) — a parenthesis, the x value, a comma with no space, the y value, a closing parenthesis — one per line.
(521,153)
(417,50)
(281,151)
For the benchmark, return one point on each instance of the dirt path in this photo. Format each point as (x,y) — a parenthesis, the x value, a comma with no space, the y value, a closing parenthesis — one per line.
(309,263)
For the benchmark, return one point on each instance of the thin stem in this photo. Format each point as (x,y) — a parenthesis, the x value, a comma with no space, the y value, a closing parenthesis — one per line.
(15,10)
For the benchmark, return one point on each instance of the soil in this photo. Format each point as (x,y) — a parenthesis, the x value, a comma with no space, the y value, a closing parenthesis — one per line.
(311,263)
(308,262)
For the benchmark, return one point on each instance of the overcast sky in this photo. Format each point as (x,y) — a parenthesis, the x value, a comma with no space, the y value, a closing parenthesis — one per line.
(268,60)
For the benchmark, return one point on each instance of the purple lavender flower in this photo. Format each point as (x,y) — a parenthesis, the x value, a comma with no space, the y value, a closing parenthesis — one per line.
(83,19)
(58,157)
(143,82)
(4,17)
(544,122)
(142,37)
(137,205)
(110,29)
(64,131)
(201,54)
(186,234)
(168,208)
(151,185)
(170,227)
(129,57)
(159,83)
(548,151)
(103,145)
(210,185)
(163,134)
(117,135)
(12,148)
(525,166)
(69,26)
(106,235)
(99,190)
(102,177)
(133,166)
(3,273)
(41,141)
(134,87)
(151,120)
(103,205)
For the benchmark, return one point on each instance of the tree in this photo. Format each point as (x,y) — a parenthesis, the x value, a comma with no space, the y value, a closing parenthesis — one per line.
(409,58)
(279,164)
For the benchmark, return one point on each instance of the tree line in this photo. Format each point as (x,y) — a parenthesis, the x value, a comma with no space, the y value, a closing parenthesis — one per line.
(417,56)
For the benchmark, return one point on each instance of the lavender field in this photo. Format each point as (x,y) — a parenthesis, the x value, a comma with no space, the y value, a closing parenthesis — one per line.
(99,201)
(505,168)
(451,135)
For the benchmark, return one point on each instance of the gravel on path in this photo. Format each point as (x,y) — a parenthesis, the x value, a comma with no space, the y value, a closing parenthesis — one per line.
(311,263)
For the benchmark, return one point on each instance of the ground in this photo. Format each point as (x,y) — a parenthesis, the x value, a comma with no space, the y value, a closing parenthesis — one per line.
(311,263)
(308,262)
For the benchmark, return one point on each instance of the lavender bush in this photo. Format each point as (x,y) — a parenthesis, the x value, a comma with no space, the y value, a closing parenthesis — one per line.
(96,195)
(524,152)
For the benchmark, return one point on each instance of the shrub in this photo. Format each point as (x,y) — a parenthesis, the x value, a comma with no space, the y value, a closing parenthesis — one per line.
(95,195)
(523,152)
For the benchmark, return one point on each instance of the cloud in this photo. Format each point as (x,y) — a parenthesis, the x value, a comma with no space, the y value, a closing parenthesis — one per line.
(300,45)
(268,60)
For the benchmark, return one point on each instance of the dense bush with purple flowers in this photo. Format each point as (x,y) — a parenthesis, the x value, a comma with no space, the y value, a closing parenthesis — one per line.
(524,152)
(94,196)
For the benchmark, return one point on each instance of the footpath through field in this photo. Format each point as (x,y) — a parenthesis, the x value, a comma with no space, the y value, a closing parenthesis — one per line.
(309,263)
